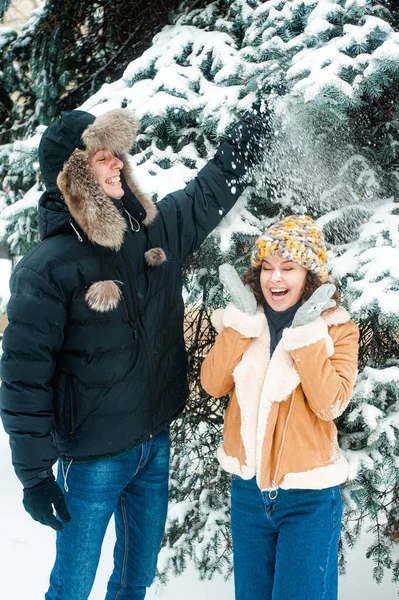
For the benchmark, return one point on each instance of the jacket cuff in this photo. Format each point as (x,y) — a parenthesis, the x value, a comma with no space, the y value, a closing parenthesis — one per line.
(39,478)
(305,335)
(249,326)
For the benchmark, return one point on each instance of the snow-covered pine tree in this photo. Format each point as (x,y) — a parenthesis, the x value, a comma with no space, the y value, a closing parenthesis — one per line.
(330,71)
(63,54)
(4,4)
(369,269)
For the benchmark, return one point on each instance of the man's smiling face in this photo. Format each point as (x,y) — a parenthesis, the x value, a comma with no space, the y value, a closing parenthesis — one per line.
(107,168)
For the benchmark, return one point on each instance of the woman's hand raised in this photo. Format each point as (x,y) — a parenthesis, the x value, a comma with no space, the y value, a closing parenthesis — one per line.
(241,295)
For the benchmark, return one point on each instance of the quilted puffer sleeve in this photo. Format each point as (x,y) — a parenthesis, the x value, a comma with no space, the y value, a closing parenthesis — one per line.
(37,316)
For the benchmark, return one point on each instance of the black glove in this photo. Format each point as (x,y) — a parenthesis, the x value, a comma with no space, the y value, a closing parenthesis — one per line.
(39,500)
(251,138)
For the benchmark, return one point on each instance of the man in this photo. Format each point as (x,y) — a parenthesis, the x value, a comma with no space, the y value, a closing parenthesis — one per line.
(94,364)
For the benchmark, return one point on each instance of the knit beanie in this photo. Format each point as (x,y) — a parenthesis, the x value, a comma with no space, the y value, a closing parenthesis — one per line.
(297,238)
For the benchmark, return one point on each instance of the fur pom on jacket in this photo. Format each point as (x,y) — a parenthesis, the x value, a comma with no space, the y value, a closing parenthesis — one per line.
(279,425)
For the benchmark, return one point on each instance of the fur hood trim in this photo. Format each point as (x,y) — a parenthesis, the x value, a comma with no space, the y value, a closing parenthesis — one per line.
(115,130)
(93,211)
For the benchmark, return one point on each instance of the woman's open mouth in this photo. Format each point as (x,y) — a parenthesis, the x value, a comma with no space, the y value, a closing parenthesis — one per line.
(278,293)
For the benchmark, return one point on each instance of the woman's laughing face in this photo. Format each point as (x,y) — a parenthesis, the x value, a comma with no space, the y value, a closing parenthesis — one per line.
(282,281)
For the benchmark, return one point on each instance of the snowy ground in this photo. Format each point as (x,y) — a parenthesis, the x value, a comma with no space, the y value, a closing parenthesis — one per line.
(27,553)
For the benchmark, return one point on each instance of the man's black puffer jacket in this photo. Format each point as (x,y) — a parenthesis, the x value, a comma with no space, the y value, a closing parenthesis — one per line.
(79,383)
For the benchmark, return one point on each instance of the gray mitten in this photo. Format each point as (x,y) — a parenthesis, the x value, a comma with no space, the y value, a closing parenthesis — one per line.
(320,300)
(241,295)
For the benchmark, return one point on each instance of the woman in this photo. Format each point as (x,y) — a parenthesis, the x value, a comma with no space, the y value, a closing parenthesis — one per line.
(287,356)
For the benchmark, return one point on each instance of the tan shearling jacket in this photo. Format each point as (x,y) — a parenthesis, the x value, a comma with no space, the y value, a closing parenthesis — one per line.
(279,424)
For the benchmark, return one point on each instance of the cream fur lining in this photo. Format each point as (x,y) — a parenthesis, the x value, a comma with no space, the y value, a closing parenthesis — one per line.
(232,465)
(314,479)
(250,326)
(217,319)
(338,316)
(249,377)
(305,335)
(280,382)
(319,478)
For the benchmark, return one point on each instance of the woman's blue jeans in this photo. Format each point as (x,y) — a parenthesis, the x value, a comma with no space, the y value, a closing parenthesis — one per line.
(287,548)
(133,487)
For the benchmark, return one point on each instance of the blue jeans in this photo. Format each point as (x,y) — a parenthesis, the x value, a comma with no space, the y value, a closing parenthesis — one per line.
(133,487)
(286,548)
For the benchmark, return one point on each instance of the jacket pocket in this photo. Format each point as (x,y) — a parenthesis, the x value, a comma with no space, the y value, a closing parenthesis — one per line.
(70,408)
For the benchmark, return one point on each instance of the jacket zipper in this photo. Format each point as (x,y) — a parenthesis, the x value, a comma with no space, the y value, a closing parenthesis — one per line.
(68,404)
(274,491)
(127,316)
(141,334)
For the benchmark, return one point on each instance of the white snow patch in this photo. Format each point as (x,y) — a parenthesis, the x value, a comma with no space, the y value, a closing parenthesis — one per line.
(30,200)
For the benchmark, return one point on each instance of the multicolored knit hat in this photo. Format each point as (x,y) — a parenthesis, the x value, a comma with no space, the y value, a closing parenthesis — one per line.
(296,237)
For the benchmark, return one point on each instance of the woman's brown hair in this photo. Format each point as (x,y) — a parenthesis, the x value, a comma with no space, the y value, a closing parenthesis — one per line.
(313,281)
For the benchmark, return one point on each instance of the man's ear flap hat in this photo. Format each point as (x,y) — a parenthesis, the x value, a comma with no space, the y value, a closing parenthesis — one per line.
(64,156)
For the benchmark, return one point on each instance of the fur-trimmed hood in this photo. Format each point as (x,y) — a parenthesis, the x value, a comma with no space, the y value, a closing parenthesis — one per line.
(93,211)
(64,154)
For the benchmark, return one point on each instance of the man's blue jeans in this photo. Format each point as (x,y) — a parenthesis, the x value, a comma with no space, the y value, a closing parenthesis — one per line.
(287,548)
(134,487)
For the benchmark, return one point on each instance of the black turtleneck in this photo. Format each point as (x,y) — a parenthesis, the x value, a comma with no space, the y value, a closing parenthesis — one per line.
(278,321)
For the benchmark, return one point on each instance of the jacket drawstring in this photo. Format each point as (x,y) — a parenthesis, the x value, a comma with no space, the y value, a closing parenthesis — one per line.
(65,474)
(134,224)
(75,230)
